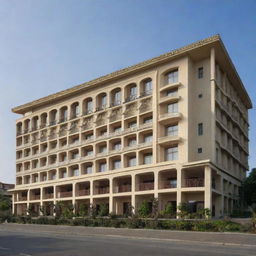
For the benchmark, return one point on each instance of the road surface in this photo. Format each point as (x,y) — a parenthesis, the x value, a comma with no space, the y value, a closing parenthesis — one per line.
(44,240)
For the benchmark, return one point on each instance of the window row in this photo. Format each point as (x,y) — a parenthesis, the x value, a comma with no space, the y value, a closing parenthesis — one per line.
(145,156)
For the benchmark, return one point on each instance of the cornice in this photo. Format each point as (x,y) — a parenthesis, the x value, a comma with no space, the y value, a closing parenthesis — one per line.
(115,75)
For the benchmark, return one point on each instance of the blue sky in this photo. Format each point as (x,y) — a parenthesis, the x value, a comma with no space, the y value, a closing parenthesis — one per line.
(51,45)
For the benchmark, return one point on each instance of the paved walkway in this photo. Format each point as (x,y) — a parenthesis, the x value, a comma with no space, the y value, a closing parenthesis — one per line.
(215,238)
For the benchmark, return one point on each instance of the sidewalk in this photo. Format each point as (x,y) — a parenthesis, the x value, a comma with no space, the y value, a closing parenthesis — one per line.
(239,239)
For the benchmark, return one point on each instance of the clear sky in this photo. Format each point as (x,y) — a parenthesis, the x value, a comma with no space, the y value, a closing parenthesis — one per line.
(50,45)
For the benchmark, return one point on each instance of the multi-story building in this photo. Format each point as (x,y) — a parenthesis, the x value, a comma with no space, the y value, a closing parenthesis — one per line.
(174,127)
(4,187)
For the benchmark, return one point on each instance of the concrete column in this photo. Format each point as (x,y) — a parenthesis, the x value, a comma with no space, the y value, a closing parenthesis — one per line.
(73,197)
(133,202)
(54,199)
(213,125)
(156,173)
(208,187)
(179,182)
(13,200)
(222,197)
(111,205)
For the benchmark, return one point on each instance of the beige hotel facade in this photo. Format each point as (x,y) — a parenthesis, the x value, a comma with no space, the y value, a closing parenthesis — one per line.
(174,127)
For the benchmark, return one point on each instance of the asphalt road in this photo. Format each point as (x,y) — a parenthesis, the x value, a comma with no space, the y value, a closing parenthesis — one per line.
(50,243)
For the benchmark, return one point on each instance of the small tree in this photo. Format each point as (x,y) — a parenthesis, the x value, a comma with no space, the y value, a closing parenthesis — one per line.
(103,210)
(183,210)
(169,211)
(155,208)
(83,210)
(5,207)
(144,210)
(92,211)
(248,191)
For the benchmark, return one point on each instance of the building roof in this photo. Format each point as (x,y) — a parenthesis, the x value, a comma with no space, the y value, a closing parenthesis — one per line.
(210,42)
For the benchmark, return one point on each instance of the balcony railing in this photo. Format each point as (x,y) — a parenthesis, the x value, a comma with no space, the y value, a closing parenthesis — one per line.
(48,196)
(84,192)
(22,198)
(146,93)
(194,182)
(64,194)
(123,188)
(35,197)
(102,190)
(168,185)
(146,186)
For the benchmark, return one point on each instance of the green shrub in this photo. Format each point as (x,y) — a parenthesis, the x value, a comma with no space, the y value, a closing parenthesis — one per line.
(144,210)
(103,210)
(169,211)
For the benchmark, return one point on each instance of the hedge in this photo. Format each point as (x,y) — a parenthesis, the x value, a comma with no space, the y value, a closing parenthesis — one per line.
(191,225)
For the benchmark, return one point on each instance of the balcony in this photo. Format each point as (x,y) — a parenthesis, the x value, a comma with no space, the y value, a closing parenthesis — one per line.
(170,86)
(48,196)
(64,194)
(35,197)
(146,93)
(145,186)
(130,98)
(84,192)
(101,190)
(176,116)
(123,188)
(194,182)
(167,140)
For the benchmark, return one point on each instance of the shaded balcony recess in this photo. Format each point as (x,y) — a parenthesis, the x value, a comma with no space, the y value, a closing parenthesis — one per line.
(168,184)
(194,182)
(146,186)
(48,196)
(35,197)
(123,188)
(84,192)
(101,190)
(65,194)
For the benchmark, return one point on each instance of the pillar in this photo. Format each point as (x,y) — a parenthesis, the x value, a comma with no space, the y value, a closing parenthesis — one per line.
(208,187)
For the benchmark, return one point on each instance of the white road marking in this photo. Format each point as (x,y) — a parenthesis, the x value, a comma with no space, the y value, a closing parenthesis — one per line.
(24,254)
(4,248)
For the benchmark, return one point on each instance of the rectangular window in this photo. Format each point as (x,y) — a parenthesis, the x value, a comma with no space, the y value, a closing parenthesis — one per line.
(172,130)
(172,108)
(172,77)
(103,167)
(199,150)
(103,149)
(200,72)
(148,158)
(89,136)
(132,124)
(171,153)
(89,153)
(132,142)
(200,129)
(89,106)
(148,138)
(75,172)
(117,97)
(147,120)
(117,164)
(132,161)
(117,146)
(89,169)
(117,129)
(172,93)
(133,91)
(104,101)
(148,86)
